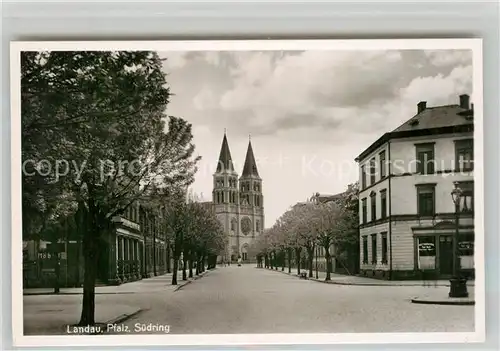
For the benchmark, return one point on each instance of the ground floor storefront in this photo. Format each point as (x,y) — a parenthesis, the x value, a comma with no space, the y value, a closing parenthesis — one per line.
(123,255)
(416,250)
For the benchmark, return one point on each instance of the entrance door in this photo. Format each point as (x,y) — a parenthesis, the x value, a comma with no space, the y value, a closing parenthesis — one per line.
(446,255)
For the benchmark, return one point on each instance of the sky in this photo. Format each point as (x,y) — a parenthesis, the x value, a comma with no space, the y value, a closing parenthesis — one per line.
(309,113)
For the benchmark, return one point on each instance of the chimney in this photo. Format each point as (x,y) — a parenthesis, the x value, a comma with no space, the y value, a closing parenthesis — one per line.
(422,105)
(464,101)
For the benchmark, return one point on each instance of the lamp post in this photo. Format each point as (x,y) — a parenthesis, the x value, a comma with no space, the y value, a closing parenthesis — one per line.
(458,284)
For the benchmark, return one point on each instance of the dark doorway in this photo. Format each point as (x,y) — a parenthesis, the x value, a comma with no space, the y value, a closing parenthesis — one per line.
(445,255)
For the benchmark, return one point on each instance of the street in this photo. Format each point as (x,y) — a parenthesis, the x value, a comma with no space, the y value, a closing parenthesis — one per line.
(250,300)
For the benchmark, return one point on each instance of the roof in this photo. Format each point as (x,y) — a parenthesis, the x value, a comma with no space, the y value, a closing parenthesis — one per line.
(225,160)
(323,198)
(250,167)
(431,121)
(435,117)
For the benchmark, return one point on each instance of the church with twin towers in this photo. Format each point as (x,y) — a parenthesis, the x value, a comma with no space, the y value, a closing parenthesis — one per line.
(238,201)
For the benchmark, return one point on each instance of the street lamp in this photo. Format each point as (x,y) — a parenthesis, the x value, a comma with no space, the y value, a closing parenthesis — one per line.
(458,284)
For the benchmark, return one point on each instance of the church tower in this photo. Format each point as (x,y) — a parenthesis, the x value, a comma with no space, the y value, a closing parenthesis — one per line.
(239,207)
(251,202)
(225,194)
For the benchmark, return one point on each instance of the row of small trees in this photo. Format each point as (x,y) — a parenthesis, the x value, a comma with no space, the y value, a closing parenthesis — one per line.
(96,138)
(194,234)
(305,226)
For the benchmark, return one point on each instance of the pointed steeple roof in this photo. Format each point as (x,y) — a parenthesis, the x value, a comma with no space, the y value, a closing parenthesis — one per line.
(225,160)
(250,167)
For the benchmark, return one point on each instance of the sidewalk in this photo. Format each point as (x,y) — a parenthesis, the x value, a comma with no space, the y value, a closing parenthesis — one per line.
(153,284)
(46,313)
(55,315)
(355,280)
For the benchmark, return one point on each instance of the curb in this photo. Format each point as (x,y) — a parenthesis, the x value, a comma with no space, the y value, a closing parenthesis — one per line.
(444,302)
(180,286)
(189,281)
(354,284)
(77,293)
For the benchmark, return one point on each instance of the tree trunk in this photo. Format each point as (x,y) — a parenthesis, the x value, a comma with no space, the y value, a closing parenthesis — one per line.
(202,263)
(169,268)
(175,269)
(297,258)
(283,260)
(328,263)
(88,304)
(191,257)
(289,254)
(90,250)
(184,263)
(198,264)
(310,253)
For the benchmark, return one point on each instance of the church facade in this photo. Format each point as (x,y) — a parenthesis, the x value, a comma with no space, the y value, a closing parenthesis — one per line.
(238,202)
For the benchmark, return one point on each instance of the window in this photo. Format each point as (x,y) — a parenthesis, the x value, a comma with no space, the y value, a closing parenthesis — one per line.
(383,204)
(383,165)
(364,210)
(363,177)
(372,171)
(464,155)
(257,226)
(365,250)
(466,245)
(467,200)
(373,203)
(426,200)
(426,252)
(384,247)
(233,224)
(425,158)
(374,248)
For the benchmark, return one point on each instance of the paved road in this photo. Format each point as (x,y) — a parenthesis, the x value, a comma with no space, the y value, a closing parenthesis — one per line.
(249,300)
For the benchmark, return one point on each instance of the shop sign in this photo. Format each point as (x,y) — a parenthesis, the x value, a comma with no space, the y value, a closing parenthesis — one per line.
(466,245)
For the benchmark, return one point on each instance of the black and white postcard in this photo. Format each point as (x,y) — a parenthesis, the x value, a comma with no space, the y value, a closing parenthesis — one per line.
(247,192)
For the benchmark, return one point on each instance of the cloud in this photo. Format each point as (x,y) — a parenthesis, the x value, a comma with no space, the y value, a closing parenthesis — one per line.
(328,106)
(205,99)
(175,60)
(441,58)
(439,89)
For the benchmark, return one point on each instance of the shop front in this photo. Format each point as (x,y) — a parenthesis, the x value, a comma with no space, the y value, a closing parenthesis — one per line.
(434,250)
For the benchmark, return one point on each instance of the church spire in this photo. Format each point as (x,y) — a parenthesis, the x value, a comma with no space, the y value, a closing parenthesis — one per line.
(225,161)
(250,167)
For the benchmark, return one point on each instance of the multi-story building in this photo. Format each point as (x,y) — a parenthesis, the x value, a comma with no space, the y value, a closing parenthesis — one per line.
(407,215)
(238,202)
(133,249)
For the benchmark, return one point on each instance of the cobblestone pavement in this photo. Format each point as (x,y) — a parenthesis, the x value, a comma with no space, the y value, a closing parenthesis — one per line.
(250,300)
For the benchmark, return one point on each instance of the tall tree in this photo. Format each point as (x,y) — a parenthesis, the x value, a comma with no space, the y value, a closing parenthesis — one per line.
(329,216)
(104,114)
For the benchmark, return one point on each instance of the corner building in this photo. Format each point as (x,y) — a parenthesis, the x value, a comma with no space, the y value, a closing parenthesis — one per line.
(238,202)
(407,215)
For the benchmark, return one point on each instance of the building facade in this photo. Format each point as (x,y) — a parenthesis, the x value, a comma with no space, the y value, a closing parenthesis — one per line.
(238,201)
(134,248)
(407,215)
